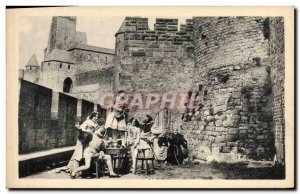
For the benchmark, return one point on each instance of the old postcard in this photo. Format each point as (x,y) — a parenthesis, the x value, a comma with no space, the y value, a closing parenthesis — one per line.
(150,97)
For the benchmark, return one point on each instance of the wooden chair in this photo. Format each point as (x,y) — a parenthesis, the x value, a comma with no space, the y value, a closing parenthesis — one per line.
(144,159)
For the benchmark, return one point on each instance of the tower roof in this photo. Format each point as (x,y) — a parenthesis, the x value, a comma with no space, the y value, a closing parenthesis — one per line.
(94,48)
(122,27)
(60,55)
(32,62)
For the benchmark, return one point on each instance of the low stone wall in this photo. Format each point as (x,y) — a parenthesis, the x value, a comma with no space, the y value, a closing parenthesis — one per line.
(35,121)
(87,108)
(47,118)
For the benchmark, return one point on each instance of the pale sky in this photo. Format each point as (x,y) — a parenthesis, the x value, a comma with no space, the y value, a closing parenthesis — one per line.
(100,32)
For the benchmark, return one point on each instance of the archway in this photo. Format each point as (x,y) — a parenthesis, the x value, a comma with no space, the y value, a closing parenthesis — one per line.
(67,85)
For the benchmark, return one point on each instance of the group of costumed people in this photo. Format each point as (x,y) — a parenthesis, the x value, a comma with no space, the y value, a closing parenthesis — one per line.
(95,136)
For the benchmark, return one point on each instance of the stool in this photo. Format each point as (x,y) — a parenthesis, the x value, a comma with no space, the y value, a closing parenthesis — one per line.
(142,157)
(119,159)
(101,167)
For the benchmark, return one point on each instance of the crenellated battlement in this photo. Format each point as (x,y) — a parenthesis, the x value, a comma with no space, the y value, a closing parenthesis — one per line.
(137,28)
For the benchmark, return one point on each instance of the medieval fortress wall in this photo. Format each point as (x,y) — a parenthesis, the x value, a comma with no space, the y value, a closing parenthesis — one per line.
(233,66)
(146,56)
(158,61)
(68,55)
(233,82)
(278,72)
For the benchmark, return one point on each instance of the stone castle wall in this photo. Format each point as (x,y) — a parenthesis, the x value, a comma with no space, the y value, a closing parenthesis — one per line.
(32,74)
(144,55)
(101,76)
(62,33)
(233,66)
(91,60)
(34,117)
(159,60)
(47,118)
(87,108)
(53,74)
(90,85)
(278,72)
(232,85)
(68,56)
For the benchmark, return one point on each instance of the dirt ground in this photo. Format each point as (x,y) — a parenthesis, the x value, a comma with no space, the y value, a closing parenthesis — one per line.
(212,170)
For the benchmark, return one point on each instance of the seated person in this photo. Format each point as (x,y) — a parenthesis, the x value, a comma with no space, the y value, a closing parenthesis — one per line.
(95,148)
(177,150)
(85,134)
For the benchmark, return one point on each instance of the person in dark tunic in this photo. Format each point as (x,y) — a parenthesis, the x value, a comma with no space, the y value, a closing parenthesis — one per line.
(177,150)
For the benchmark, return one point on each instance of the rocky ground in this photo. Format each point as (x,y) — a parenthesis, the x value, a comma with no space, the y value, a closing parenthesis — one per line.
(211,170)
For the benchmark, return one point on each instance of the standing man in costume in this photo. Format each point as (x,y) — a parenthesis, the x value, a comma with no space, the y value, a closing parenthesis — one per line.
(116,117)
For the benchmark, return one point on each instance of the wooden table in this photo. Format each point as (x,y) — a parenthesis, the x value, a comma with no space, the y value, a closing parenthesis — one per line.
(117,154)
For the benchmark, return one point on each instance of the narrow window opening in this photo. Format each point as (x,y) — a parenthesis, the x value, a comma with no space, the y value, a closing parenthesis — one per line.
(205,93)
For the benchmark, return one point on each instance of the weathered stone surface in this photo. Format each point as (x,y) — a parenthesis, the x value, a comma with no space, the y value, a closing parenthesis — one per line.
(38,128)
(278,72)
(220,139)
(235,65)
(231,62)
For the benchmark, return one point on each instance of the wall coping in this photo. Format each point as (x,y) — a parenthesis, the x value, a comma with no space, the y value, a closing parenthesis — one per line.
(24,157)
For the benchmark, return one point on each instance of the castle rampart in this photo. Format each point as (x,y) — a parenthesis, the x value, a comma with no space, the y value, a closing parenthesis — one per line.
(233,84)
(233,66)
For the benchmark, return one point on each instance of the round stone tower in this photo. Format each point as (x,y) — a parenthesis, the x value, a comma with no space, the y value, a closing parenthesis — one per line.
(233,118)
